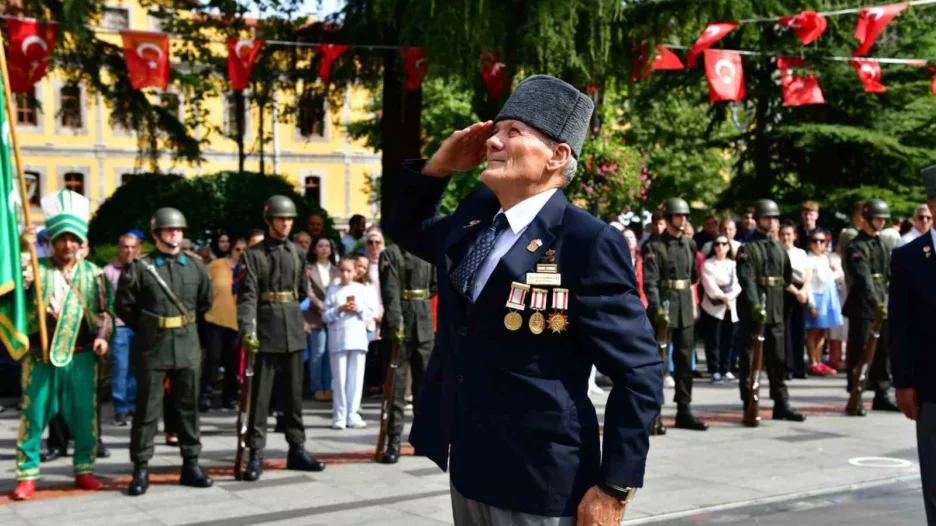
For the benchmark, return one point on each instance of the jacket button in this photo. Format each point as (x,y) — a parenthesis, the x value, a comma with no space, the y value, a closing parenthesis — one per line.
(459,379)
(463,331)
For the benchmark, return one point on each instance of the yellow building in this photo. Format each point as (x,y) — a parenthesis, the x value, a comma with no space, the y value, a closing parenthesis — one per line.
(68,140)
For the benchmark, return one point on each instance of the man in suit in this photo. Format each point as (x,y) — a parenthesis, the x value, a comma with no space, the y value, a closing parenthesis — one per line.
(912,309)
(506,388)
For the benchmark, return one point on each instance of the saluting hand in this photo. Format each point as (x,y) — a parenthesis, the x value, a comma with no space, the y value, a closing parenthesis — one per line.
(599,509)
(462,151)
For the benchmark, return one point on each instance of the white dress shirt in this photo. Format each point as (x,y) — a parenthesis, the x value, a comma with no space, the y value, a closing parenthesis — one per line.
(519,218)
(715,275)
(799,263)
(347,331)
(909,236)
(324,272)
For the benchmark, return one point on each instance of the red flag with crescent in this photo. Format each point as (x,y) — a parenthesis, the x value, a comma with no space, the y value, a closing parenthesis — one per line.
(798,90)
(808,25)
(666,59)
(28,51)
(872,21)
(714,32)
(492,73)
(147,56)
(725,75)
(869,71)
(329,53)
(241,56)
(415,62)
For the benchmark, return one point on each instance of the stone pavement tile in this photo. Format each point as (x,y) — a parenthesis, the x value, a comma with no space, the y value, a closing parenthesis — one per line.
(100,501)
(365,515)
(438,508)
(402,486)
(115,518)
(312,494)
(172,514)
(174,496)
(696,497)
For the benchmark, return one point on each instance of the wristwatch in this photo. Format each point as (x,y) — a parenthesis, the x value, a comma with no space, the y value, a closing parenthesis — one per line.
(625,494)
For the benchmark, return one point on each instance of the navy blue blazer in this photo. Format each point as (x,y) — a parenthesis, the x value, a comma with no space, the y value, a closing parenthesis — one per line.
(513,406)
(911,311)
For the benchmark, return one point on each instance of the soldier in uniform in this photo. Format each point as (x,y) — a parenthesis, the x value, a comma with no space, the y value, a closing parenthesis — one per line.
(670,271)
(271,324)
(764,271)
(407,285)
(161,296)
(868,261)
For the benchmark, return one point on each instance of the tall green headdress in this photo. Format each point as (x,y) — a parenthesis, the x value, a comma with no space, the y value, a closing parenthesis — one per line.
(66,212)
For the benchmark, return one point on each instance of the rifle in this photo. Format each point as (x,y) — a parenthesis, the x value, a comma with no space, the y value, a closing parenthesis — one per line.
(386,405)
(662,333)
(243,412)
(861,368)
(752,413)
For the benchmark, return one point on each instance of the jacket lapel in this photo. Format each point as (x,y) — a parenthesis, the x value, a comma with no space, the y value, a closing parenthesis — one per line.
(465,230)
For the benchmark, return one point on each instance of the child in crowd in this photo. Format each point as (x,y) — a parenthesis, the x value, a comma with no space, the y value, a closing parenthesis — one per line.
(348,307)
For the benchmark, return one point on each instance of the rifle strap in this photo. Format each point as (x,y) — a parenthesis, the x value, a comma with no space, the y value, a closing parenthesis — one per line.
(165,288)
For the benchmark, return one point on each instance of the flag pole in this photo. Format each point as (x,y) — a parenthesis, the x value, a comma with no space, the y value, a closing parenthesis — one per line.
(24,199)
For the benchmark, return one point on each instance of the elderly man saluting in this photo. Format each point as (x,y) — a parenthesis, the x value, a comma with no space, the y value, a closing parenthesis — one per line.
(532,292)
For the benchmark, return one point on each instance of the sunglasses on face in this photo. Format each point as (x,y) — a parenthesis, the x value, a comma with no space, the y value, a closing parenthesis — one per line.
(721,243)
(924,218)
(820,241)
(373,242)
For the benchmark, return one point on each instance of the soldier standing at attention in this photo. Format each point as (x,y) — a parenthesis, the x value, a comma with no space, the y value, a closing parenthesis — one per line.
(867,261)
(407,285)
(670,271)
(764,271)
(160,297)
(271,324)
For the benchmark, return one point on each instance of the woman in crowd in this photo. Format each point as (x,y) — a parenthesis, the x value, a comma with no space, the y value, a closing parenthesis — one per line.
(347,309)
(221,345)
(373,248)
(362,276)
(322,273)
(794,302)
(719,307)
(825,311)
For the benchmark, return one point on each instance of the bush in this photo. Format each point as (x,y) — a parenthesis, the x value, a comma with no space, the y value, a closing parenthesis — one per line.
(131,207)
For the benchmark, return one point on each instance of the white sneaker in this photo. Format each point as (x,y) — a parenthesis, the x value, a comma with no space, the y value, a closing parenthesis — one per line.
(356,422)
(338,425)
(716,378)
(669,382)
(730,377)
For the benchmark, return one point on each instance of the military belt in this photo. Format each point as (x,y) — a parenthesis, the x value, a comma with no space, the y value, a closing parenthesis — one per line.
(771,281)
(279,297)
(176,322)
(879,278)
(416,295)
(675,284)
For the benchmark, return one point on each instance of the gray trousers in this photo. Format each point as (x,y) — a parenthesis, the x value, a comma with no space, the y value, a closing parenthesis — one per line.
(926,447)
(469,512)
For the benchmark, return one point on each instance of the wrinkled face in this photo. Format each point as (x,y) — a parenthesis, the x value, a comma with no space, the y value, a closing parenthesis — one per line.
(238,250)
(224,244)
(818,245)
(346,270)
(729,229)
(323,249)
(66,248)
(360,267)
(316,226)
(516,155)
(923,220)
(769,224)
(305,242)
(878,223)
(809,218)
(678,221)
(375,246)
(631,239)
(787,236)
(127,248)
(281,226)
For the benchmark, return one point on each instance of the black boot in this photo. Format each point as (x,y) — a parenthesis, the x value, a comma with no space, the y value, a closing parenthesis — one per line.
(658,427)
(193,476)
(882,402)
(686,420)
(102,450)
(52,454)
(392,455)
(140,482)
(783,411)
(300,460)
(254,467)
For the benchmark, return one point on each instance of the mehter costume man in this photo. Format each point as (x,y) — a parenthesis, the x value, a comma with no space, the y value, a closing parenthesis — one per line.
(78,301)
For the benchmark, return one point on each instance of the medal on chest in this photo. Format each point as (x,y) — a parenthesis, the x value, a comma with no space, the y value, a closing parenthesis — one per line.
(558,321)
(516,302)
(538,304)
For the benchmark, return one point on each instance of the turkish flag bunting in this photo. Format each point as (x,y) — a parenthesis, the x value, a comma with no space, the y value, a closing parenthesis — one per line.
(241,57)
(666,59)
(492,73)
(725,75)
(808,25)
(147,56)
(872,21)
(329,53)
(714,32)
(798,90)
(28,51)
(869,71)
(415,62)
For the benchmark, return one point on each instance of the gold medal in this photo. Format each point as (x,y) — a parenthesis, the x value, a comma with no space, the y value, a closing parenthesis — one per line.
(513,321)
(538,303)
(537,323)
(558,322)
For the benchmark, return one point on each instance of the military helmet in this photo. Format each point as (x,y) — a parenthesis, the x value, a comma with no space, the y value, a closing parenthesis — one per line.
(167,218)
(875,208)
(766,208)
(279,206)
(675,206)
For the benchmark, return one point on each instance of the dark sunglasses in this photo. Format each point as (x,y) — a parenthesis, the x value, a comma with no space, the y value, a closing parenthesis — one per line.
(817,241)
(721,243)
(922,218)
(373,242)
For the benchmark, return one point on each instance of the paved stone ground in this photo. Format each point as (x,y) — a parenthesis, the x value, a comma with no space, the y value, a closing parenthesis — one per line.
(723,475)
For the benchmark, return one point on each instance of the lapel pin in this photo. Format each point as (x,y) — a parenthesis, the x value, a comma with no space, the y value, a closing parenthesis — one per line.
(926,250)
(473,222)
(535,245)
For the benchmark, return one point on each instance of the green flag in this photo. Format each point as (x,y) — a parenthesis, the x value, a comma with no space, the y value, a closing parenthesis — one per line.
(13,330)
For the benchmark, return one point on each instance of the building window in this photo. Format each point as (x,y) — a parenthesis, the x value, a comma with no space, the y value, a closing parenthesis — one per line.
(313,189)
(74,182)
(33,187)
(230,116)
(311,118)
(172,104)
(27,109)
(115,18)
(70,114)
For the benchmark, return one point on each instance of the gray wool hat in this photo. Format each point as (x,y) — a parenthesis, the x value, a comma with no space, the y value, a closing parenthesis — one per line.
(929,180)
(553,107)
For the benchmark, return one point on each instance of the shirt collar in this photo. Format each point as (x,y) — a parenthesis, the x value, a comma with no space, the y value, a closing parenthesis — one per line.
(162,258)
(523,213)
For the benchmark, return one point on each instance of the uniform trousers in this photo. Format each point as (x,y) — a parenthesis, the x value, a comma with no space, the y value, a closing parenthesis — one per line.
(926,448)
(415,354)
(467,512)
(879,375)
(774,359)
(183,388)
(347,385)
(683,341)
(49,390)
(291,373)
